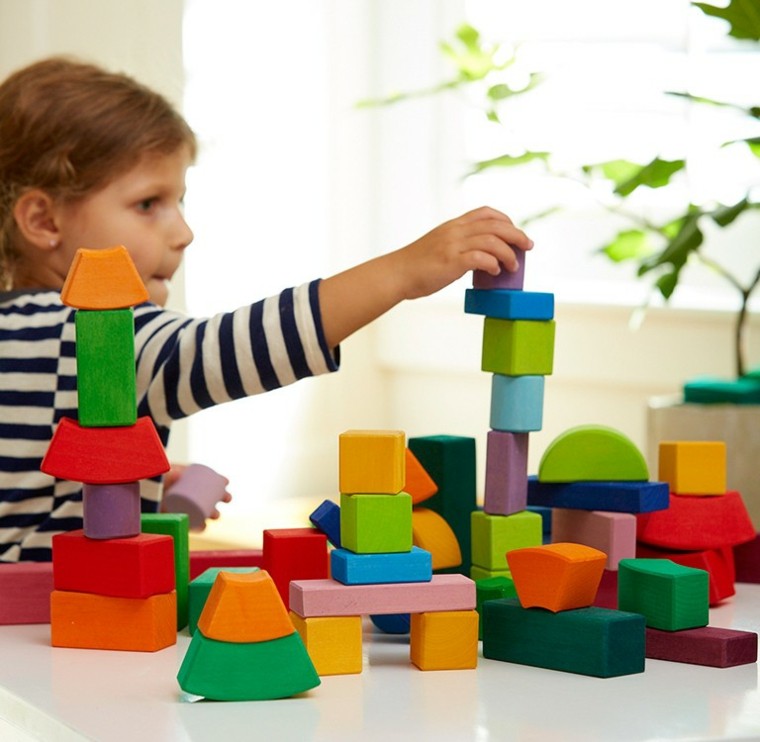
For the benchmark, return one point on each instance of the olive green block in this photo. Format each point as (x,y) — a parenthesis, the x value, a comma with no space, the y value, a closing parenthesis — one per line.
(481,573)
(200,588)
(670,596)
(518,347)
(376,524)
(105,351)
(494,535)
(492,588)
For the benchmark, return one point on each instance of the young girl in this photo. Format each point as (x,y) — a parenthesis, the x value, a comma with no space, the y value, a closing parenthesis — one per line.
(93,159)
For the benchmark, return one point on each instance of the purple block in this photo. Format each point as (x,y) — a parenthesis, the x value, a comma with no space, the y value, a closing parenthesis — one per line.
(506,279)
(111,510)
(196,492)
(708,645)
(506,489)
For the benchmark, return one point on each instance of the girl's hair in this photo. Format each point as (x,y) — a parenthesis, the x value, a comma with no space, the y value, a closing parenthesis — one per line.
(70,128)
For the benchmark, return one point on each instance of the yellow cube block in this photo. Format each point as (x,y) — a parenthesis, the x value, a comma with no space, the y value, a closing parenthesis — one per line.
(693,467)
(444,640)
(372,461)
(334,643)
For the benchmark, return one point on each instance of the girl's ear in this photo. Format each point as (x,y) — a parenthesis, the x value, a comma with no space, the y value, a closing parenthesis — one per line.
(35,218)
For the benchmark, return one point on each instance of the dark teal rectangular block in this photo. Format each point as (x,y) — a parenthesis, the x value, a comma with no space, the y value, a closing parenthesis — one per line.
(592,641)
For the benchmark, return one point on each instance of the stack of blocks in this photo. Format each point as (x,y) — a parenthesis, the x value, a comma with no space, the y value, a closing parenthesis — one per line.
(377,570)
(114,587)
(518,349)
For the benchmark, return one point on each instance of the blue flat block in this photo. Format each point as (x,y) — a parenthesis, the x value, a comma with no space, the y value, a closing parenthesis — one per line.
(546,517)
(326,518)
(392,623)
(616,497)
(509,304)
(372,569)
(517,403)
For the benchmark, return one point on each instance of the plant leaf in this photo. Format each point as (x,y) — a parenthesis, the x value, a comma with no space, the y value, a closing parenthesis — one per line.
(667,283)
(743,15)
(508,161)
(630,244)
(724,215)
(686,241)
(655,174)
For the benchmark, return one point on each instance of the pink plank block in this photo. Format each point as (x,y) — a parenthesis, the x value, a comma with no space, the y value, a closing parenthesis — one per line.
(196,492)
(612,533)
(111,510)
(25,589)
(330,598)
(708,645)
(505,279)
(202,560)
(506,488)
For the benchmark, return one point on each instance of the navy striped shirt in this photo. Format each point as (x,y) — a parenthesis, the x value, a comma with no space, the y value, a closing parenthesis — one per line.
(183,365)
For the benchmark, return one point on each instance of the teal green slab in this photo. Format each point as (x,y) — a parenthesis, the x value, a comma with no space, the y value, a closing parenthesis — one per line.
(745,390)
(600,642)
(199,589)
(670,596)
(105,350)
(518,347)
(258,671)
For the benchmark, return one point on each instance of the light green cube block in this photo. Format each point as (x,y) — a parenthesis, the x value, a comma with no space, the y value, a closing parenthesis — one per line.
(376,524)
(518,347)
(494,535)
(481,573)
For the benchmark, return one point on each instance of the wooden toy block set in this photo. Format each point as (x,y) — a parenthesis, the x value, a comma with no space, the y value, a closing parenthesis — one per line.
(587,567)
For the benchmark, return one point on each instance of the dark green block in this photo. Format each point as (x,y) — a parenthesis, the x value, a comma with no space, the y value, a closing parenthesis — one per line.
(670,596)
(176,525)
(199,589)
(106,386)
(492,588)
(745,390)
(450,461)
(234,671)
(588,641)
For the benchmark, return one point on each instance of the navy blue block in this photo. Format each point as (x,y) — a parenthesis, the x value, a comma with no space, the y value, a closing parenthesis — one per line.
(546,517)
(616,497)
(373,569)
(509,304)
(392,623)
(326,518)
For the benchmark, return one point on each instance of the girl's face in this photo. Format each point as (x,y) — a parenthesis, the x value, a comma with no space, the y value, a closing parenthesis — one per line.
(142,210)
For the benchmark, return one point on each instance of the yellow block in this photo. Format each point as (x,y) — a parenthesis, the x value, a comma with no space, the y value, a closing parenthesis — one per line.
(445,640)
(372,462)
(431,532)
(334,643)
(693,467)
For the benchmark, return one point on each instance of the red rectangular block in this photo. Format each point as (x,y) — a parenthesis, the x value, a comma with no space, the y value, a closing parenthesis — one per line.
(25,590)
(708,645)
(204,559)
(135,567)
(295,554)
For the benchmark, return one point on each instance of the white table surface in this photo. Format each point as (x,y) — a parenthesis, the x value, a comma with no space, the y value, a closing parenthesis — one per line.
(70,694)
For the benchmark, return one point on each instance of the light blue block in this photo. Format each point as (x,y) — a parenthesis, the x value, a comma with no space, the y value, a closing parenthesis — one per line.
(372,569)
(517,403)
(509,304)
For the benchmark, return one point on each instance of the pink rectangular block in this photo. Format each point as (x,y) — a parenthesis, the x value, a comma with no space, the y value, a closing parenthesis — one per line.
(25,590)
(202,560)
(709,645)
(612,533)
(506,487)
(331,598)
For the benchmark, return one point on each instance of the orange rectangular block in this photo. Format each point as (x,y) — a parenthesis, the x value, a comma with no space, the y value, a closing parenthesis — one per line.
(693,467)
(88,621)
(372,462)
(446,640)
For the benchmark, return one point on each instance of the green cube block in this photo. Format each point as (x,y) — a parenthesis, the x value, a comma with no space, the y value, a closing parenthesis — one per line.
(494,535)
(492,588)
(481,573)
(591,641)
(376,524)
(105,350)
(176,525)
(670,596)
(199,589)
(518,347)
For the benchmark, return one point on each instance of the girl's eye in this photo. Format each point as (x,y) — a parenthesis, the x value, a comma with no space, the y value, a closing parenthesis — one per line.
(146,204)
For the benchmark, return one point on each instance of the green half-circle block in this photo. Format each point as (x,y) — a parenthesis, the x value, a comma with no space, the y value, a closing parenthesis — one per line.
(592,453)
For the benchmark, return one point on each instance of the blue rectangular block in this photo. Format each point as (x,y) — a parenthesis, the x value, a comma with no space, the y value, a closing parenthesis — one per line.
(509,304)
(373,569)
(517,403)
(616,497)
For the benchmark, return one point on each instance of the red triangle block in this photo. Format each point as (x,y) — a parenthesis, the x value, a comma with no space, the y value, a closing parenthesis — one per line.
(105,455)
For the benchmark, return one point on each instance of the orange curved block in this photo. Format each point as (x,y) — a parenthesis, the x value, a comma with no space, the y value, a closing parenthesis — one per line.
(244,608)
(103,279)
(557,577)
(431,532)
(419,484)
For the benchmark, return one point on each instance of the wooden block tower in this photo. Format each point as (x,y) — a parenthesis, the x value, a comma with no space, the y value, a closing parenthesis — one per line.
(518,350)
(114,587)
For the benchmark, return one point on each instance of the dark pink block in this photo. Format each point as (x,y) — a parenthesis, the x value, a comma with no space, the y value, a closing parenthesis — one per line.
(506,488)
(111,510)
(747,561)
(196,492)
(25,589)
(506,279)
(607,593)
(708,645)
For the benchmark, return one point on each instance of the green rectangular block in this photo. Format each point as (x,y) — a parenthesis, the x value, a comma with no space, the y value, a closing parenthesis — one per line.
(600,642)
(518,347)
(670,596)
(199,589)
(492,588)
(451,463)
(176,525)
(376,524)
(106,384)
(494,535)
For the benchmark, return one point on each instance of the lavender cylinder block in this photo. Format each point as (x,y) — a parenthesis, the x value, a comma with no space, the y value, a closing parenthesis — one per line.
(196,492)
(506,279)
(111,510)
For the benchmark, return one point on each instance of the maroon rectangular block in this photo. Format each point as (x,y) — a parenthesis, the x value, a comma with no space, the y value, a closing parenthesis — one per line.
(25,590)
(607,593)
(747,561)
(202,560)
(708,645)
(506,486)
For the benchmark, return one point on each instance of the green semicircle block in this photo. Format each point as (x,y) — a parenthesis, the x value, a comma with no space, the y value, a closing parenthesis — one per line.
(592,453)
